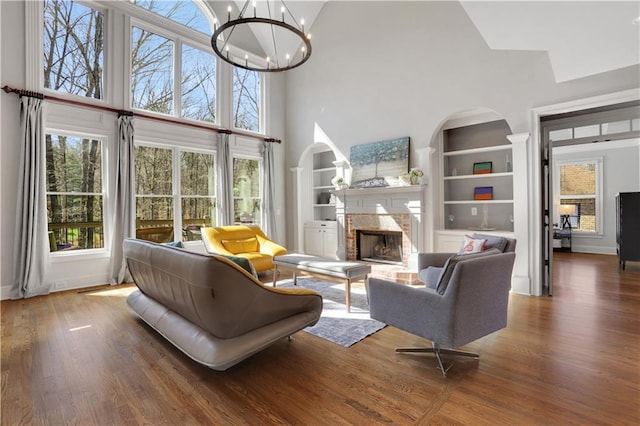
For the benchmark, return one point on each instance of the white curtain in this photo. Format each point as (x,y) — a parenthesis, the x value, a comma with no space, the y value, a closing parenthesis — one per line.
(124,206)
(267,207)
(224,185)
(31,256)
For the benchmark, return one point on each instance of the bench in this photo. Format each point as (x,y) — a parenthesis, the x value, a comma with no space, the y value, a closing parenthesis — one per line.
(322,267)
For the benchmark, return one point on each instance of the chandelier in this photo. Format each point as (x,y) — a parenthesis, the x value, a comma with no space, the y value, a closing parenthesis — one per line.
(278,40)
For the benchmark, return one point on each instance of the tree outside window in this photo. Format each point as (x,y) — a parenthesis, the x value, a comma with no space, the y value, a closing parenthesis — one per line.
(74,192)
(73,44)
(246,191)
(247,98)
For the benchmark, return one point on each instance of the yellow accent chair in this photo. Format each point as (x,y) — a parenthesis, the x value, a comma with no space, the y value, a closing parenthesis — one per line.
(244,241)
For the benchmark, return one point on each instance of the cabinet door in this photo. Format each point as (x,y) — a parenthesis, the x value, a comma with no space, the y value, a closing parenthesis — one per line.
(329,243)
(313,240)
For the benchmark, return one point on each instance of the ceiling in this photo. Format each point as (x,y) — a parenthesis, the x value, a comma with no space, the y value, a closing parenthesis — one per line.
(582,38)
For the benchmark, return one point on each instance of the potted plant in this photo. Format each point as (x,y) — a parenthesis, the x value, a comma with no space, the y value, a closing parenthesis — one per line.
(339,183)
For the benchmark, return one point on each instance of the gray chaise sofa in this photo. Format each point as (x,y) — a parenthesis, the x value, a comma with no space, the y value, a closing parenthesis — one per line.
(208,307)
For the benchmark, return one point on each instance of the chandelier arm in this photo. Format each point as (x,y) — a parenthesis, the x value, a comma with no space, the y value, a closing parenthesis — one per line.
(273,37)
(293,18)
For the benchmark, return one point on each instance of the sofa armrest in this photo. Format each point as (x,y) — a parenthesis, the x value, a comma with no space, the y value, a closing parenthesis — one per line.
(432,259)
(270,248)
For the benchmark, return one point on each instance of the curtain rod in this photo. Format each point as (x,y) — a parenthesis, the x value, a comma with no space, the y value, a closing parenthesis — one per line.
(38,95)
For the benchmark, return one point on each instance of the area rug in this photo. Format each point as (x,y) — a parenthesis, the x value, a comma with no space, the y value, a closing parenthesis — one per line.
(336,324)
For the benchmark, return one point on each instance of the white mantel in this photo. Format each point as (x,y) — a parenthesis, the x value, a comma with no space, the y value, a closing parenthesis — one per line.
(385,200)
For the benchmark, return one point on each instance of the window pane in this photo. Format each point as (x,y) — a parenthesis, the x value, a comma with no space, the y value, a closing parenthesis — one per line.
(246,99)
(246,211)
(73,48)
(246,190)
(154,219)
(154,170)
(578,179)
(181,11)
(74,164)
(584,218)
(75,221)
(616,127)
(560,135)
(196,213)
(197,174)
(586,131)
(151,71)
(198,84)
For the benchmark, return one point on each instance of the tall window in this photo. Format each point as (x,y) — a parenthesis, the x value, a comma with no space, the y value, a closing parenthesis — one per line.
(247,99)
(74,192)
(73,41)
(168,75)
(246,190)
(173,206)
(579,192)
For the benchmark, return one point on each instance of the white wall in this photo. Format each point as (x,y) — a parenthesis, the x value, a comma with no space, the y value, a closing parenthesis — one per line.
(381,70)
(71,270)
(620,173)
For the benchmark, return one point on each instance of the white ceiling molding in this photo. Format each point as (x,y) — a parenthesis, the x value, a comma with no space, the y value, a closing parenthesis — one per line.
(582,38)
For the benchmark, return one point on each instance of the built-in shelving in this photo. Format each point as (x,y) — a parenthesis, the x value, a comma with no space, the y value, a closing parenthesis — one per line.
(462,148)
(324,208)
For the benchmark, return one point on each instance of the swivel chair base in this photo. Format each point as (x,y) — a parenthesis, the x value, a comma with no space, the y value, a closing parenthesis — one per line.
(437,350)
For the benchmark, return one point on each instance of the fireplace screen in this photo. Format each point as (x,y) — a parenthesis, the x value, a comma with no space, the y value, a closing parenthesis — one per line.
(379,246)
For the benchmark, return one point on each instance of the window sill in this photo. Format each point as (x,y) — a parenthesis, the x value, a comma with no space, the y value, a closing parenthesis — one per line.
(74,255)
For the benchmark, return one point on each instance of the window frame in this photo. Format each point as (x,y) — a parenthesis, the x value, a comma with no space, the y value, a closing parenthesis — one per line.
(176,189)
(597,197)
(106,213)
(178,41)
(35,73)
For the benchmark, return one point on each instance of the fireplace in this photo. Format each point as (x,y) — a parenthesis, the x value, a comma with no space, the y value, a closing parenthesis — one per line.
(379,246)
(389,232)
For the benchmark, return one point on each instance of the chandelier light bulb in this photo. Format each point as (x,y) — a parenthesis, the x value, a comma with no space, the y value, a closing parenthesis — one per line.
(282,10)
(254,9)
(302,24)
(215,24)
(229,13)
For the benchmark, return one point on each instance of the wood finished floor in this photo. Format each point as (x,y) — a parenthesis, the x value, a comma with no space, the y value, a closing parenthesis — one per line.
(574,358)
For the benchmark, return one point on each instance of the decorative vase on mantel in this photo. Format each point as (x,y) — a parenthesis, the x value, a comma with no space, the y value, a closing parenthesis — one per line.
(415,180)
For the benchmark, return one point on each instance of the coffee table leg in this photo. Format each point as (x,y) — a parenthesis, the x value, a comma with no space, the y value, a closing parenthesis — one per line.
(275,274)
(347,288)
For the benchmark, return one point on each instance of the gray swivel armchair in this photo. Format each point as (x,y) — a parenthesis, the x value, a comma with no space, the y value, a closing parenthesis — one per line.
(469,302)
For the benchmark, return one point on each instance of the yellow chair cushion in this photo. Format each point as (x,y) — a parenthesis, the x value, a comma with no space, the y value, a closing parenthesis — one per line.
(246,245)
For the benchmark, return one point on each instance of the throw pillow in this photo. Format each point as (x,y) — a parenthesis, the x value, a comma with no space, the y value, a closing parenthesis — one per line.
(493,241)
(472,245)
(177,244)
(451,263)
(430,276)
(242,262)
(246,245)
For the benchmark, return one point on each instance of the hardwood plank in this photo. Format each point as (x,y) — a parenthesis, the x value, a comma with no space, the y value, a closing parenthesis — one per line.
(574,358)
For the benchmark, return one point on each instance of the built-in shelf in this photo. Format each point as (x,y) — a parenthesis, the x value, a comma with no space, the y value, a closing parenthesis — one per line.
(323,187)
(480,176)
(477,150)
(325,205)
(480,202)
(324,170)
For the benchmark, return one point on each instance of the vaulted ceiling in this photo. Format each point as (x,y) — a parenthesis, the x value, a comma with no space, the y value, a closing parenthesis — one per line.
(582,38)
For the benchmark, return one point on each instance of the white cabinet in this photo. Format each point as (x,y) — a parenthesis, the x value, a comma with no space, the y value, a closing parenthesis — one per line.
(477,177)
(321,238)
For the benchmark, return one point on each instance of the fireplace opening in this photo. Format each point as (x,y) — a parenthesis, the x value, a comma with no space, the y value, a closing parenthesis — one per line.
(379,246)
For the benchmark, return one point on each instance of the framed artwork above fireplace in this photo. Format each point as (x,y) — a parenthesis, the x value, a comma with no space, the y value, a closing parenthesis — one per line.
(379,163)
